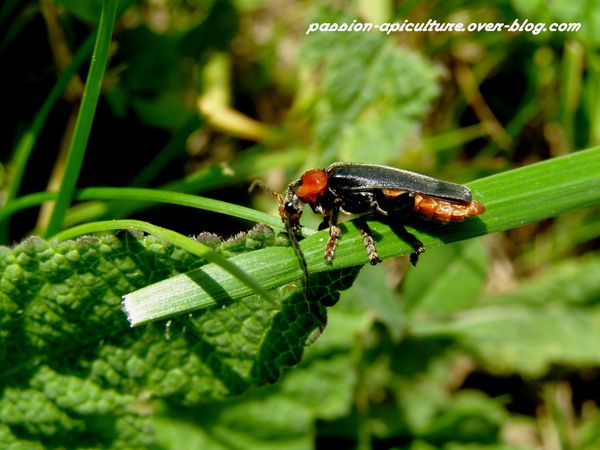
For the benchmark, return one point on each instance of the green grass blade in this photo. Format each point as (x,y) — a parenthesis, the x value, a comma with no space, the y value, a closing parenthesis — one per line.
(85,117)
(211,285)
(251,164)
(150,196)
(513,198)
(24,202)
(177,198)
(173,237)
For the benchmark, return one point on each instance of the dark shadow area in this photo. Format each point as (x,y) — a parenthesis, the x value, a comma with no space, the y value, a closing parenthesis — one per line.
(447,232)
(211,287)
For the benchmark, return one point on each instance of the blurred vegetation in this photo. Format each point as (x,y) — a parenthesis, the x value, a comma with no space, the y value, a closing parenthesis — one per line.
(488,344)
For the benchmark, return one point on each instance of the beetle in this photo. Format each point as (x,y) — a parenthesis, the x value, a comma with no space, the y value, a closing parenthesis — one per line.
(372,190)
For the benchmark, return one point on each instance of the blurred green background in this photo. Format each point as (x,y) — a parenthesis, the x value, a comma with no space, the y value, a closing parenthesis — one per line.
(492,343)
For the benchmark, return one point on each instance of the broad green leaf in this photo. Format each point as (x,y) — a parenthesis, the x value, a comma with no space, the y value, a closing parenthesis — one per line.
(551,320)
(450,279)
(73,365)
(326,379)
(269,422)
(563,11)
(371,96)
(282,415)
(471,416)
(384,306)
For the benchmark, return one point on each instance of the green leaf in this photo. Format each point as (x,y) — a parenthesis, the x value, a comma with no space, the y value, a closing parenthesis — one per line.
(281,415)
(317,382)
(551,320)
(384,307)
(183,242)
(431,289)
(264,422)
(74,368)
(471,417)
(372,94)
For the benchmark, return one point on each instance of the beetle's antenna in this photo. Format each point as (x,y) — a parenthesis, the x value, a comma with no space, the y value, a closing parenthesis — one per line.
(262,185)
(300,253)
(288,228)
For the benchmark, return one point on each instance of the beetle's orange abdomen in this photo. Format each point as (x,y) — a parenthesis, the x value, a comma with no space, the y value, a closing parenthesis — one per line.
(445,210)
(312,185)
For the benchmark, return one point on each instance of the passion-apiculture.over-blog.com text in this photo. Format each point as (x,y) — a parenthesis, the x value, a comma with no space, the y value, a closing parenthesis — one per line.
(433,26)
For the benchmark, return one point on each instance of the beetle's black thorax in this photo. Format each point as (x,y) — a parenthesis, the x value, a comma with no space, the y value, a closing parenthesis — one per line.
(354,190)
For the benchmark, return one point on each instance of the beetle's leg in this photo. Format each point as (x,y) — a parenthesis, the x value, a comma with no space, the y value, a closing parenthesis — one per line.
(394,220)
(419,248)
(374,205)
(324,223)
(365,231)
(395,223)
(416,244)
(334,232)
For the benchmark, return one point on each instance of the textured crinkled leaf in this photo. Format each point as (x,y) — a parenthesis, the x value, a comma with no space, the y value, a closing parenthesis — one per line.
(10,441)
(72,367)
(260,422)
(372,93)
(281,415)
(326,380)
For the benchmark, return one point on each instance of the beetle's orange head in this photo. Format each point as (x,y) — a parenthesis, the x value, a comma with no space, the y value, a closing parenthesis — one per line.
(307,189)
(311,186)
